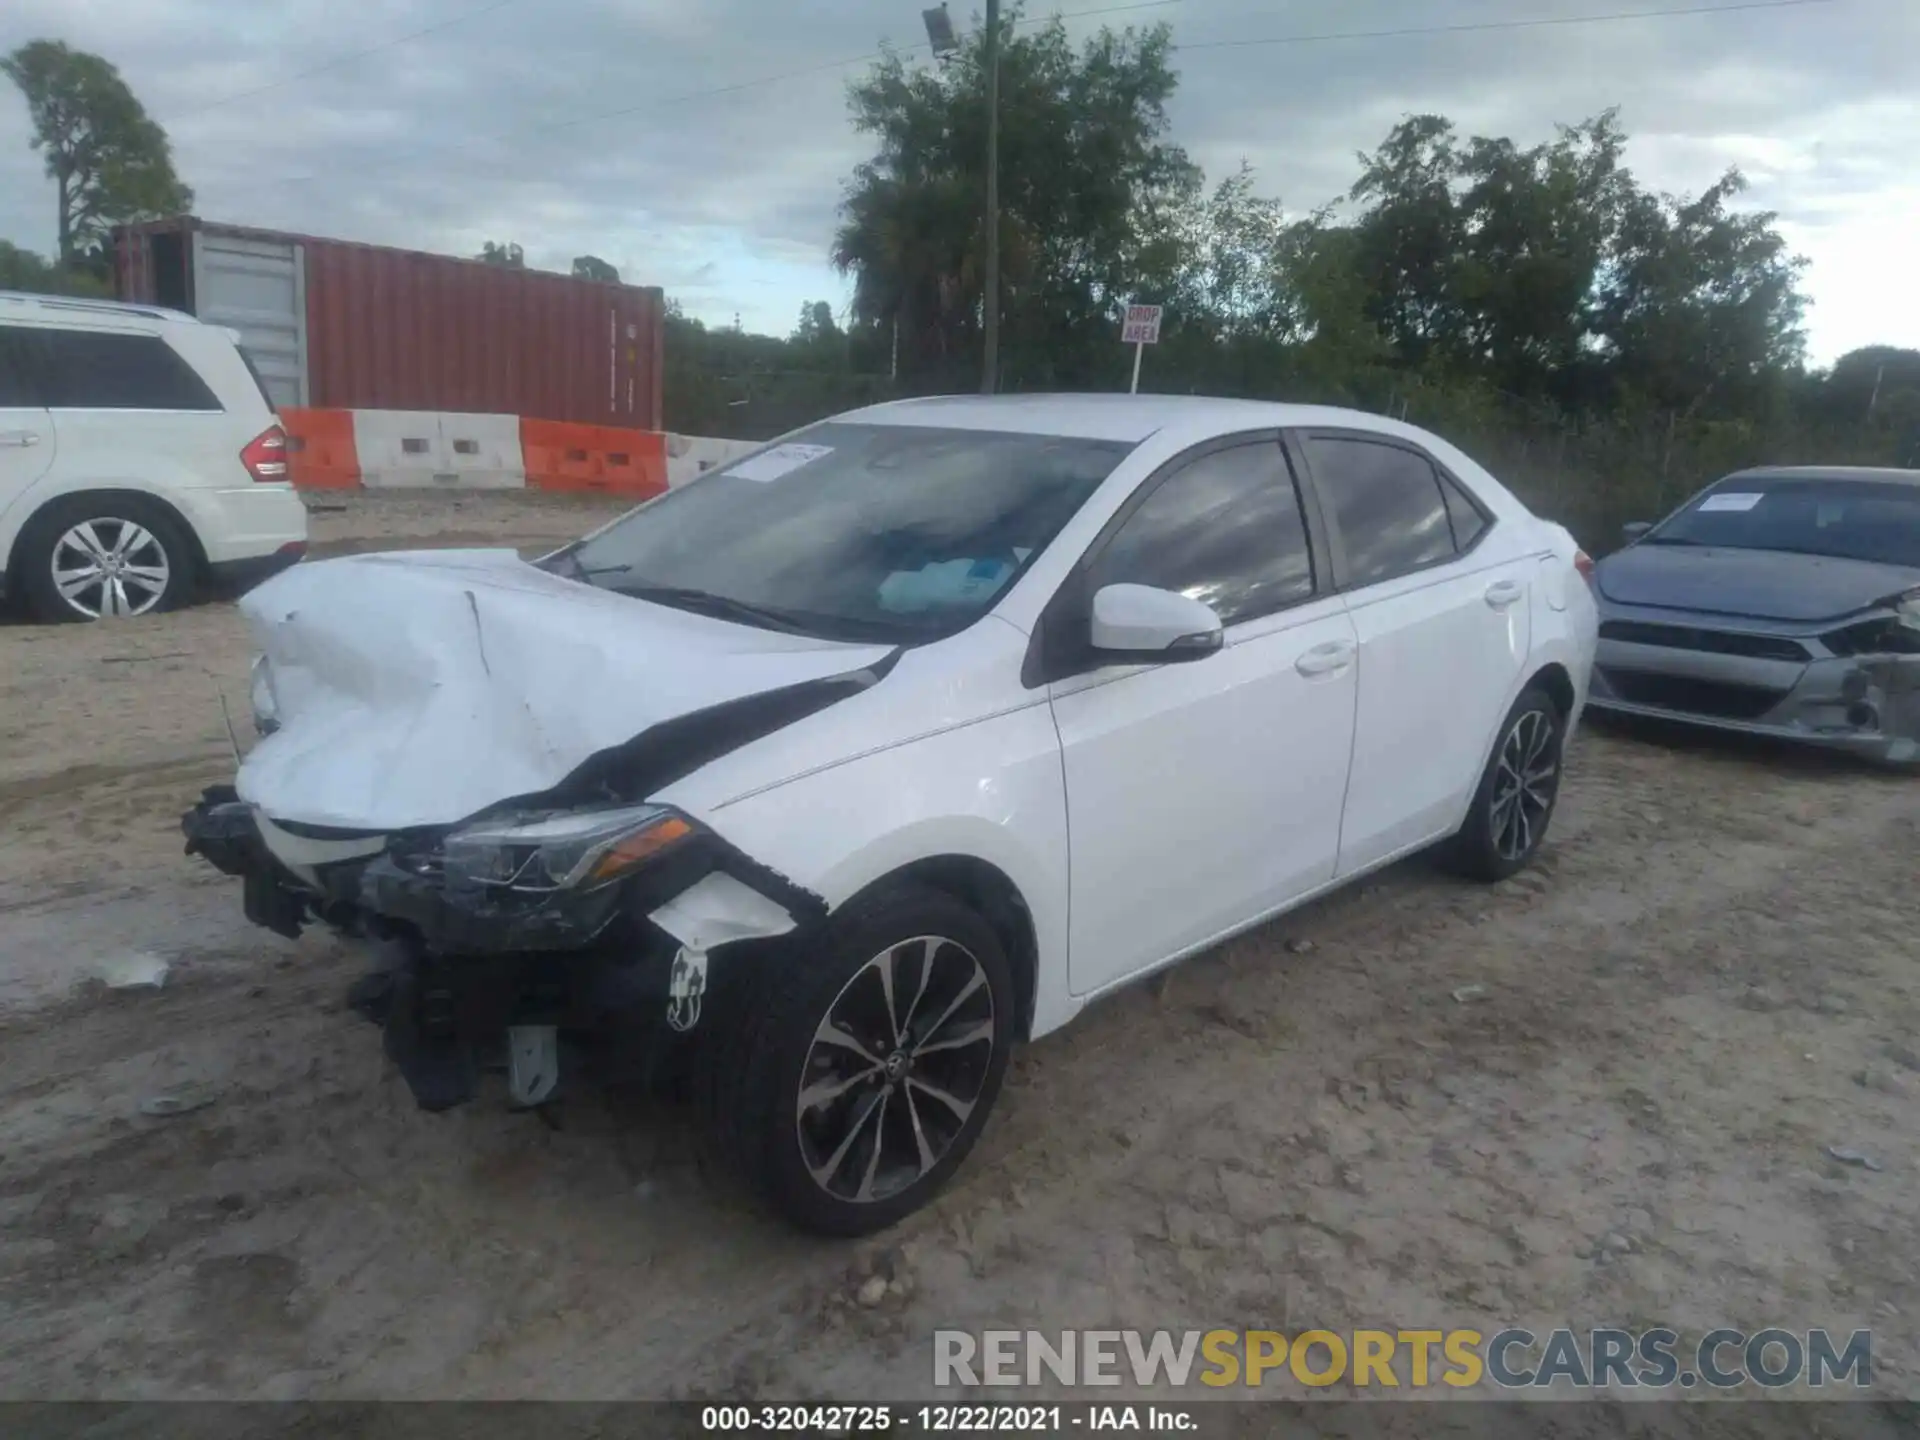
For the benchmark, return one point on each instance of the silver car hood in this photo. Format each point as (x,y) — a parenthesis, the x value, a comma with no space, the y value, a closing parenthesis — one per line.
(417,687)
(1756,584)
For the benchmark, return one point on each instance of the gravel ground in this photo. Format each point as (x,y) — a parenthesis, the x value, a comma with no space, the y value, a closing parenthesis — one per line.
(1707,981)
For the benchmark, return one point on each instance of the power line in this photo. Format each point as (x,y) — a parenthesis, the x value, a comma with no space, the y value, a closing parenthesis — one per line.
(736,87)
(710,93)
(347,59)
(1472,26)
(817,69)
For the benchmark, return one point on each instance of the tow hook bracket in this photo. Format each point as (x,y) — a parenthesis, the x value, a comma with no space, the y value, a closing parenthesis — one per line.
(718,910)
(685,986)
(533,1063)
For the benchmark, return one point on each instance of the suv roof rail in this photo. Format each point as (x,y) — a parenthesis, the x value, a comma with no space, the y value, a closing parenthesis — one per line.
(83,305)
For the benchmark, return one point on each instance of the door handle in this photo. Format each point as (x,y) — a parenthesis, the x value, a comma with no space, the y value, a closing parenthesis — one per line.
(1503,593)
(1327,659)
(22,438)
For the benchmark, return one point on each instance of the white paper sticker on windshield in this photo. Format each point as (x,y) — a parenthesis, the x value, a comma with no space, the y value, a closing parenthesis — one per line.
(1730,500)
(780,460)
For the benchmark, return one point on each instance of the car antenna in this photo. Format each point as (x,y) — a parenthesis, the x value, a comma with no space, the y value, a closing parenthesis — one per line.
(226,715)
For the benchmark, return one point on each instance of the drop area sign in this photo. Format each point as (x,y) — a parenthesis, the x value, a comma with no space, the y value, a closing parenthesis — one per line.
(1140,329)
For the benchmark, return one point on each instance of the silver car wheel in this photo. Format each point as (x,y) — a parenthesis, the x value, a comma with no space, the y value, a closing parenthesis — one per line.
(895,1069)
(108,566)
(1526,775)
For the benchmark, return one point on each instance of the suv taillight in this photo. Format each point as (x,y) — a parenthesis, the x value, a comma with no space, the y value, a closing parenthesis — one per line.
(1583,562)
(266,455)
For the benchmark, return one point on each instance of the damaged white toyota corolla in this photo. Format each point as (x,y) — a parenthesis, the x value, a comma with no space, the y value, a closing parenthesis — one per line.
(841,769)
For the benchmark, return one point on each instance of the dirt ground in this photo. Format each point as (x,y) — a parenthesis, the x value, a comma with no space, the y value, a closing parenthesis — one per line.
(1709,980)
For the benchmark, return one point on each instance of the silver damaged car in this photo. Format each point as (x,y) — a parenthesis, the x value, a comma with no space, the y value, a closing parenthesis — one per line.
(1778,601)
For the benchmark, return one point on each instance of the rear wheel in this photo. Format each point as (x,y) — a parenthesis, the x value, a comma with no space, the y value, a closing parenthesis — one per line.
(859,1079)
(1514,803)
(94,557)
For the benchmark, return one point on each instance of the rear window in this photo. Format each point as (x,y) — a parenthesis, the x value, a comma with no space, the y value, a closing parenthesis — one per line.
(259,380)
(111,370)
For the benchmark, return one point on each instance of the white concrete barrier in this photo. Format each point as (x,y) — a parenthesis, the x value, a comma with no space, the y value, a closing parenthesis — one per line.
(425,450)
(690,455)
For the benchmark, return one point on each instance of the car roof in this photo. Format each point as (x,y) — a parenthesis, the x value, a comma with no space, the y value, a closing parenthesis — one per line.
(1128,418)
(22,305)
(1882,474)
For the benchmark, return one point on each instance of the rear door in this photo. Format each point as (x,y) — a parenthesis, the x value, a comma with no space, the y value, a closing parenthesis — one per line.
(1440,608)
(26,429)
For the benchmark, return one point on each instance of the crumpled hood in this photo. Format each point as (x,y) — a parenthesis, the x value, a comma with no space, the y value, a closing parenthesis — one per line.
(417,687)
(1762,584)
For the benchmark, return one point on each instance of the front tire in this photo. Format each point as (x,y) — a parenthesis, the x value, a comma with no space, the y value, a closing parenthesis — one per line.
(1515,801)
(88,557)
(856,1082)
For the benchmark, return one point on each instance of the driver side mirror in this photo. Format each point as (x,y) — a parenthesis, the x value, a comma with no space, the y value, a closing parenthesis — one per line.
(1146,625)
(1634,529)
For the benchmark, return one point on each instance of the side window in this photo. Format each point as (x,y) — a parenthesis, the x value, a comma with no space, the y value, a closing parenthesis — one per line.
(1465,517)
(109,370)
(17,390)
(1226,530)
(1387,504)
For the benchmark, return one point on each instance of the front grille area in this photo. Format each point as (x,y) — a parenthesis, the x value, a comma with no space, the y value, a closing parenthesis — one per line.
(1690,696)
(1717,642)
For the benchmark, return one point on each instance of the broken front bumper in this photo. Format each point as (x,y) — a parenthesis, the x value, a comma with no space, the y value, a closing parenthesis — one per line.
(459,970)
(1866,705)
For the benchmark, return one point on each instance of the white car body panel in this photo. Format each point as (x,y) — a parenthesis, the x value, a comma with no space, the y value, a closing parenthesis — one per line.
(1172,770)
(416,688)
(1140,812)
(1439,666)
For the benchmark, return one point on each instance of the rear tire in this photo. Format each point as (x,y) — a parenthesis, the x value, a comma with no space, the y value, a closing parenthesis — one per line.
(85,557)
(1516,797)
(848,1135)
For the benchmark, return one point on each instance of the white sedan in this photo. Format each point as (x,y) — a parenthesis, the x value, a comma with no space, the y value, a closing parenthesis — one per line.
(843,768)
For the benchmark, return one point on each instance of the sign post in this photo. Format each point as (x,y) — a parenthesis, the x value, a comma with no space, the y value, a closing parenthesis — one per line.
(1140,329)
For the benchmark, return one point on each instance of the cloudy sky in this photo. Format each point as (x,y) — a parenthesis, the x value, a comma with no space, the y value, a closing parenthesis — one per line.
(674,138)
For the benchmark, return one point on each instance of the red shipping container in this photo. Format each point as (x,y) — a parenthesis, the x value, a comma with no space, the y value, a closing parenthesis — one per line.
(332,324)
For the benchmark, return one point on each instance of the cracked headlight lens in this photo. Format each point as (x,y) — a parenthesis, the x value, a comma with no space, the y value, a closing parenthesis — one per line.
(573,850)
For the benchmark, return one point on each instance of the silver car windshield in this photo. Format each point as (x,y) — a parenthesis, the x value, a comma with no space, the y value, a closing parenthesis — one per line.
(1844,519)
(851,531)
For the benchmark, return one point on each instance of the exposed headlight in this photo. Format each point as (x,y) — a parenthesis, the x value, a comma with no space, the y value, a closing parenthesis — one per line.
(575,850)
(266,704)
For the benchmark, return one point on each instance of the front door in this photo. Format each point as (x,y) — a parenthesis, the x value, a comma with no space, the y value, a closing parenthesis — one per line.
(1204,794)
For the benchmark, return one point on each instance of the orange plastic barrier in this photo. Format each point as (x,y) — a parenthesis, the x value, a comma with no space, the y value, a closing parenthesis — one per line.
(320,449)
(561,456)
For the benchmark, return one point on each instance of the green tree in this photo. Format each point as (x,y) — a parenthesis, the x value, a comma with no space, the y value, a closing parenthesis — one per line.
(509,255)
(816,325)
(24,270)
(592,267)
(1085,170)
(110,162)
(1699,308)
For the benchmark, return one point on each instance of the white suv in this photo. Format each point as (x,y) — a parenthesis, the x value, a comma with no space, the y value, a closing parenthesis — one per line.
(140,460)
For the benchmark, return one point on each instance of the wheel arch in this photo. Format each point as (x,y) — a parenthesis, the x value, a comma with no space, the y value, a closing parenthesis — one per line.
(196,552)
(1554,678)
(990,893)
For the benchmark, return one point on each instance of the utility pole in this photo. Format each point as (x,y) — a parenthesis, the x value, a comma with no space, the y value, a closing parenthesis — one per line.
(990,309)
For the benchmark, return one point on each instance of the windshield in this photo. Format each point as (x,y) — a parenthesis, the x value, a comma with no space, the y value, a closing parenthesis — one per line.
(854,531)
(1845,519)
